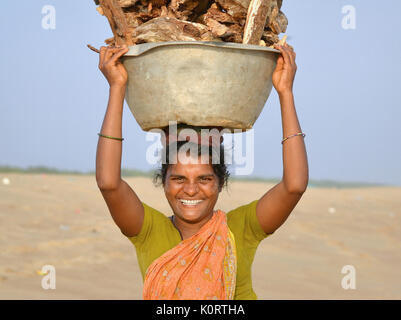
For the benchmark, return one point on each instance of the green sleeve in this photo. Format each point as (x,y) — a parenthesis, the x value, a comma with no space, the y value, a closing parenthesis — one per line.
(244,223)
(146,228)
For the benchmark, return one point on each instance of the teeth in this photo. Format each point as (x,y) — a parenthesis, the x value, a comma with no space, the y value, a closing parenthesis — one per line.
(190,202)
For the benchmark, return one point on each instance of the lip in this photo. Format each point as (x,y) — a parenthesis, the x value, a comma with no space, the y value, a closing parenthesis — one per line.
(190,205)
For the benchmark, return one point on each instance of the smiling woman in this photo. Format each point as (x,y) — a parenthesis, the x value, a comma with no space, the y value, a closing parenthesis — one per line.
(200,252)
(198,239)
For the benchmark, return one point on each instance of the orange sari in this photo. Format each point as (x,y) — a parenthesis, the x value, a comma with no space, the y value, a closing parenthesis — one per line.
(201,267)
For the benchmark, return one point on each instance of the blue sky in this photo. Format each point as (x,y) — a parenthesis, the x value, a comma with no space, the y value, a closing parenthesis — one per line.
(347,91)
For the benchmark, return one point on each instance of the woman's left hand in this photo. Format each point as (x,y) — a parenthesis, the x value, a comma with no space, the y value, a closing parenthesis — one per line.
(284,74)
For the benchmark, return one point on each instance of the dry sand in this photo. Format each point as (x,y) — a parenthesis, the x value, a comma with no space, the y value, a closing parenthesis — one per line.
(62,220)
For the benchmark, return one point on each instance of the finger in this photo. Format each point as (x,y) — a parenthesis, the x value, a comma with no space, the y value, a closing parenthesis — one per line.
(280,63)
(290,54)
(109,53)
(101,55)
(118,54)
(285,54)
(288,46)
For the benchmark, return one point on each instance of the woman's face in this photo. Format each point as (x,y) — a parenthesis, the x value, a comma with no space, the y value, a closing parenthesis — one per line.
(192,190)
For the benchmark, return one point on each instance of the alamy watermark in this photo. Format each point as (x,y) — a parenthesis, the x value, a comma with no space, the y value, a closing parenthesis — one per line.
(349,19)
(49,17)
(349,280)
(49,277)
(238,146)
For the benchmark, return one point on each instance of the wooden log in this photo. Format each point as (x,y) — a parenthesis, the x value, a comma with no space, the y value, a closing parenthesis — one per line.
(241,21)
(185,9)
(171,29)
(270,37)
(278,23)
(126,3)
(117,21)
(110,41)
(222,25)
(258,12)
(235,8)
(218,15)
(141,14)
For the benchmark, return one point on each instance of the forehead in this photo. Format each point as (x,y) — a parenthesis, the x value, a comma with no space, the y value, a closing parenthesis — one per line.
(193,169)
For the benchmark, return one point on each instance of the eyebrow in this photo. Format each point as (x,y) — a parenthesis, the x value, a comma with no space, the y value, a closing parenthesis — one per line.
(206,175)
(181,176)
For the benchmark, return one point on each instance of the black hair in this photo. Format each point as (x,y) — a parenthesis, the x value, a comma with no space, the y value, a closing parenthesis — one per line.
(215,154)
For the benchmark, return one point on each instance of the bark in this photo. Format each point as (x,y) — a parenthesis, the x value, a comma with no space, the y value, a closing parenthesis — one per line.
(171,29)
(241,21)
(278,23)
(269,37)
(117,21)
(258,13)
(235,8)
(126,3)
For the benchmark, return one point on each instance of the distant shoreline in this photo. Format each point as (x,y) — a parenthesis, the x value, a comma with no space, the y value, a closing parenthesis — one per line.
(149,174)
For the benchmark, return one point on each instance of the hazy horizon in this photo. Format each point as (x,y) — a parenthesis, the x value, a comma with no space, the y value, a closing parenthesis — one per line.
(132,172)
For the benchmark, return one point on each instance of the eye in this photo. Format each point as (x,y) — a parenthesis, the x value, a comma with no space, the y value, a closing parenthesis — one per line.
(178,179)
(206,179)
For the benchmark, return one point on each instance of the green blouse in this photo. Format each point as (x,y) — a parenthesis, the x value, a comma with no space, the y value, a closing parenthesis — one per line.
(159,235)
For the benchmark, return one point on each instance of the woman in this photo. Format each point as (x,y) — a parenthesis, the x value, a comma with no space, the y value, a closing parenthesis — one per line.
(200,252)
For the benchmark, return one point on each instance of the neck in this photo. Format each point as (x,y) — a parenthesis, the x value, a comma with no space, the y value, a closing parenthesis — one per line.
(186,229)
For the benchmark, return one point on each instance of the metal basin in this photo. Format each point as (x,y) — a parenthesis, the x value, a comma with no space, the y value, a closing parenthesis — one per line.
(198,83)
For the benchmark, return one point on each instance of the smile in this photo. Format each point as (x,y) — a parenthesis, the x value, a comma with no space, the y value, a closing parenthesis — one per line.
(190,202)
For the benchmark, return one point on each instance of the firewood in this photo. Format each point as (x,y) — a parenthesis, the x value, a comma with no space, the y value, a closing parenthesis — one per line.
(100,10)
(269,37)
(217,29)
(183,9)
(164,11)
(93,48)
(256,22)
(110,41)
(235,8)
(117,21)
(222,25)
(258,12)
(141,14)
(171,29)
(126,3)
(278,23)
(219,16)
(234,34)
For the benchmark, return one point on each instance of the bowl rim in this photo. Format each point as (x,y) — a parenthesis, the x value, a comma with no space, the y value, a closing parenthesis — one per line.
(139,49)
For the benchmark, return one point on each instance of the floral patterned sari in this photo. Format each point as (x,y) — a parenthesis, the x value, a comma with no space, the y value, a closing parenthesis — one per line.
(201,267)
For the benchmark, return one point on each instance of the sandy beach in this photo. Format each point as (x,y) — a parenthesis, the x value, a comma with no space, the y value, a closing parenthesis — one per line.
(62,220)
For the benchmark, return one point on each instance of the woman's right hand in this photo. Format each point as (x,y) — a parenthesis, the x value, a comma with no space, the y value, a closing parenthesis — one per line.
(111,66)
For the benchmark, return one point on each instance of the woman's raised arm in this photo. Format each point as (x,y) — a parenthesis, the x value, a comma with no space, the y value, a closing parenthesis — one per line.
(277,204)
(124,205)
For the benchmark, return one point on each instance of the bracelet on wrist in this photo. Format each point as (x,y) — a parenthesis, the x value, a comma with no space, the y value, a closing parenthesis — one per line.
(294,135)
(102,135)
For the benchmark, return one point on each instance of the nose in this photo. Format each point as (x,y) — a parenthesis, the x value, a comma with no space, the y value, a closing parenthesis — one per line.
(191,188)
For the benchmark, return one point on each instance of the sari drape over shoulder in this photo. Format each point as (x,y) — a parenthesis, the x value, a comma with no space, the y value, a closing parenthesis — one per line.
(201,267)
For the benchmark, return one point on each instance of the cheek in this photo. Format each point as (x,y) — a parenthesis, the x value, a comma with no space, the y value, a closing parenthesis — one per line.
(171,189)
(211,191)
